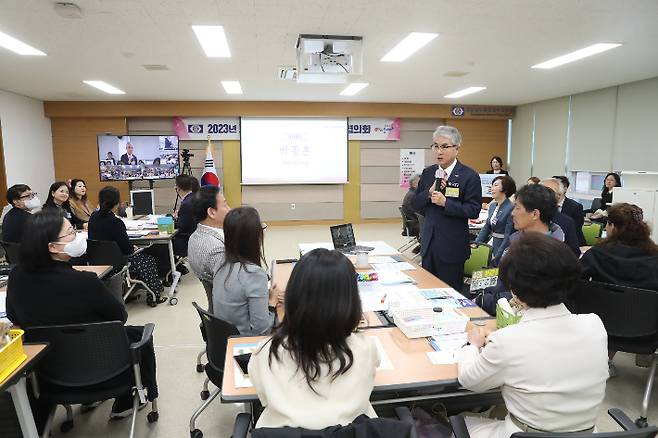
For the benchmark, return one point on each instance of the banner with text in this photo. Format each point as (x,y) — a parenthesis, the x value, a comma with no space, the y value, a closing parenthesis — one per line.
(195,128)
(373,129)
(412,161)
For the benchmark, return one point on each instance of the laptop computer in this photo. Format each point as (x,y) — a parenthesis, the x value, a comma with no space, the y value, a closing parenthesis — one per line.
(343,238)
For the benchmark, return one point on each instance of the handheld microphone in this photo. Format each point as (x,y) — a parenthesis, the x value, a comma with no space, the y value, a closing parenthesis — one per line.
(437,182)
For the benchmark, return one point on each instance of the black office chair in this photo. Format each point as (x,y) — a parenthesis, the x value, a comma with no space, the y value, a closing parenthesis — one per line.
(596,204)
(405,427)
(421,224)
(12,251)
(217,334)
(407,226)
(630,429)
(207,286)
(630,317)
(88,363)
(104,252)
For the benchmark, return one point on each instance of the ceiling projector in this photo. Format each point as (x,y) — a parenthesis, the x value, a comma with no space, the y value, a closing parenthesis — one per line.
(328,59)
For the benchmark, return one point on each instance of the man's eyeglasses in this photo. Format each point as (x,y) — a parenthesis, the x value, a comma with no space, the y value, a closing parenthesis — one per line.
(28,196)
(70,233)
(444,146)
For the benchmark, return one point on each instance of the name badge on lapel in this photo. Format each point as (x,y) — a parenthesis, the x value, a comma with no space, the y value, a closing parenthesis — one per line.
(452,192)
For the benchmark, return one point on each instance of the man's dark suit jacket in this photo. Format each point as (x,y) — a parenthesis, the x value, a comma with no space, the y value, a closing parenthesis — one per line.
(574,210)
(445,231)
(124,159)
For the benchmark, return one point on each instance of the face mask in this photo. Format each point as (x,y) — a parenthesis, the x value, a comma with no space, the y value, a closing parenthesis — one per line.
(33,203)
(76,247)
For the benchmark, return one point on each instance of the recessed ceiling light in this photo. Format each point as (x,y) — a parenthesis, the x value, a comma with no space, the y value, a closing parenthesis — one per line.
(408,46)
(16,46)
(353,88)
(213,41)
(464,92)
(104,86)
(575,56)
(232,87)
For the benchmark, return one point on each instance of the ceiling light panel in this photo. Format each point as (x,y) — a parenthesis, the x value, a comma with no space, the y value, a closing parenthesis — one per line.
(575,56)
(353,88)
(213,41)
(408,46)
(232,87)
(104,86)
(16,46)
(464,92)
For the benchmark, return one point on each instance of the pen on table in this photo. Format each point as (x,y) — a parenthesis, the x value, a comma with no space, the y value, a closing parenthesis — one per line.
(383,299)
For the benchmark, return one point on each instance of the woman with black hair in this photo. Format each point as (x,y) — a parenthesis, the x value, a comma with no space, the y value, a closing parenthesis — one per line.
(105,225)
(496,164)
(58,199)
(316,370)
(240,293)
(611,181)
(78,200)
(45,290)
(551,367)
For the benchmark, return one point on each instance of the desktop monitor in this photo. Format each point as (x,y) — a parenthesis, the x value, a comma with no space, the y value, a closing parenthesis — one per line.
(142,201)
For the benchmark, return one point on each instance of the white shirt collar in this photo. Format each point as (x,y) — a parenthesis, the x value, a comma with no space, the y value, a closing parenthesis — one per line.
(535,313)
(450,168)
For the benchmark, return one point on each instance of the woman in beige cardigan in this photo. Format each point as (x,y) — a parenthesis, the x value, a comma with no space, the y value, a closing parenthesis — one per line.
(78,200)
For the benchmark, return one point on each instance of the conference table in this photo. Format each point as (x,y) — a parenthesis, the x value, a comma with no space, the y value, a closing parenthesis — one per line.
(410,369)
(140,235)
(100,270)
(16,385)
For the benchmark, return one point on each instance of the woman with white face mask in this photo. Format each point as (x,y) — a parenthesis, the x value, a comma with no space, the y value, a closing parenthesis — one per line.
(44,289)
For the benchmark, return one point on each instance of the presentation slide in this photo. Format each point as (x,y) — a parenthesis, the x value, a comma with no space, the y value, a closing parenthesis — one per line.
(297,150)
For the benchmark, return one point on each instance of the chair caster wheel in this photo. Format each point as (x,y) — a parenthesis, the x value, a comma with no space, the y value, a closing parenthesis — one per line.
(199,368)
(205,395)
(641,423)
(66,426)
(151,303)
(196,433)
(152,417)
(173,301)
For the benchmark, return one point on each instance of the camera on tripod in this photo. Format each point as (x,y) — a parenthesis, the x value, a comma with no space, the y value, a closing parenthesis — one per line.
(186,155)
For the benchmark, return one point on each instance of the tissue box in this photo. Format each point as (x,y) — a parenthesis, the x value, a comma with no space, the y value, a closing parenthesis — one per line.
(166,224)
(422,322)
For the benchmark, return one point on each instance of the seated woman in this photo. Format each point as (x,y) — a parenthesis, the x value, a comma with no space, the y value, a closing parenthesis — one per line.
(45,290)
(105,225)
(627,256)
(552,365)
(78,201)
(240,294)
(316,370)
(500,211)
(58,199)
(496,164)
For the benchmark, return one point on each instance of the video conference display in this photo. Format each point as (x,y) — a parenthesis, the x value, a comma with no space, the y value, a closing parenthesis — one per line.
(135,157)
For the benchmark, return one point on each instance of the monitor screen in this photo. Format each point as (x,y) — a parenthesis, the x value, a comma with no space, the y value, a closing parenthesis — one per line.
(135,157)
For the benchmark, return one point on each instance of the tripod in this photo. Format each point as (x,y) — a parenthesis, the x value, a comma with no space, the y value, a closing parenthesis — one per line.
(186,170)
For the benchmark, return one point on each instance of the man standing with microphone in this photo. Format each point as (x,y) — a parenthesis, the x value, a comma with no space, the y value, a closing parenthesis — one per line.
(450,193)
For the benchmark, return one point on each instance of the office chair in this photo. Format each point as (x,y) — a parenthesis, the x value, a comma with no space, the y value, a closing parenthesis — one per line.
(405,427)
(217,334)
(592,233)
(105,252)
(207,286)
(630,430)
(407,225)
(479,259)
(12,251)
(630,317)
(88,363)
(596,204)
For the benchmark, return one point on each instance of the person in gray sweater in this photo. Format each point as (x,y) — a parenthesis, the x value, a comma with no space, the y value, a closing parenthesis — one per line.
(240,291)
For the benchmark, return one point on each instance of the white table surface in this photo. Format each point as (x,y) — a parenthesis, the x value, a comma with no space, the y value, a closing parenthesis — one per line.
(381,247)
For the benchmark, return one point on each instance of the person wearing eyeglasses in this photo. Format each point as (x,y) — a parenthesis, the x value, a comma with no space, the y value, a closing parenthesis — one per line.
(451,194)
(23,201)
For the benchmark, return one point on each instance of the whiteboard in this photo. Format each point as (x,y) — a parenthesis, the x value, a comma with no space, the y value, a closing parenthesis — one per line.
(293,150)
